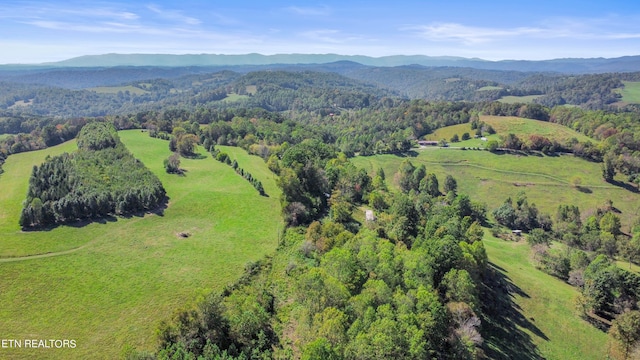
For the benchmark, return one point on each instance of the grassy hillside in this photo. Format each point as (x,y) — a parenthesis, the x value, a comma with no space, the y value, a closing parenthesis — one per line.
(116,89)
(448,131)
(504,125)
(526,127)
(109,284)
(518,99)
(543,313)
(491,178)
(631,92)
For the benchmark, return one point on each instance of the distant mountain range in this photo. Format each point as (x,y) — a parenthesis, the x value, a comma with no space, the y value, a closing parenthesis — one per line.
(568,66)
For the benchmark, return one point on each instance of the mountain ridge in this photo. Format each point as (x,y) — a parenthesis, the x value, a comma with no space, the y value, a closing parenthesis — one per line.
(563,65)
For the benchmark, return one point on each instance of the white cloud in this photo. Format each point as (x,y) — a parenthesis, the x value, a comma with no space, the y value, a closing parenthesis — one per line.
(473,35)
(556,28)
(100,13)
(174,15)
(41,11)
(331,36)
(309,11)
(326,35)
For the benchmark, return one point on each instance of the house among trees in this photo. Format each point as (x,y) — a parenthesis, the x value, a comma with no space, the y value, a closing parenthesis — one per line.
(516,232)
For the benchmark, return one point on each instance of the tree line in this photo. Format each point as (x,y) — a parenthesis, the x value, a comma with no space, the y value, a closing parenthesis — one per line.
(224,158)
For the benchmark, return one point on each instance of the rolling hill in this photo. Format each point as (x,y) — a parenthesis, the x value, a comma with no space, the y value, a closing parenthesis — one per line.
(568,65)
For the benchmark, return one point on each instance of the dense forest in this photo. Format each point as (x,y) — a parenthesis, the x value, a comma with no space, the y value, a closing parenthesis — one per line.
(77,92)
(405,286)
(101,178)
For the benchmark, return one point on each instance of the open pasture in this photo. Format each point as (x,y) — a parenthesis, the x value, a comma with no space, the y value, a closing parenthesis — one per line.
(526,99)
(504,125)
(491,178)
(630,92)
(116,89)
(108,284)
(539,319)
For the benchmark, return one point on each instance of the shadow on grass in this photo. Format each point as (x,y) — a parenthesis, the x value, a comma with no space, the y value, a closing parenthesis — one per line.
(584,189)
(410,153)
(503,320)
(624,185)
(104,219)
(195,156)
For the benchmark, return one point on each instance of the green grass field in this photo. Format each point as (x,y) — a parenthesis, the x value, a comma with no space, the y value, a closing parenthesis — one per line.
(447,132)
(526,127)
(491,178)
(630,92)
(518,99)
(543,322)
(4,136)
(115,89)
(234,97)
(21,104)
(504,125)
(251,89)
(484,88)
(109,284)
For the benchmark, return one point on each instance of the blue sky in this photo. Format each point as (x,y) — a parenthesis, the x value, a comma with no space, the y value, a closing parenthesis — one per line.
(41,31)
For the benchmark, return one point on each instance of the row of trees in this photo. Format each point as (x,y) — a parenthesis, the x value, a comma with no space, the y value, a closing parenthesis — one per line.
(225,159)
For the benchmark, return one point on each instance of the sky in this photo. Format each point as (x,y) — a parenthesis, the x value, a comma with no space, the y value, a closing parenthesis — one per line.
(44,31)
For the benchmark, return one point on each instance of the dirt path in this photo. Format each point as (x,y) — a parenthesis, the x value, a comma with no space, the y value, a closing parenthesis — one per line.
(45,255)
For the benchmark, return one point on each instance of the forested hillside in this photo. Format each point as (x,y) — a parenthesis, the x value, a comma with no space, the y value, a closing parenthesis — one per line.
(111,91)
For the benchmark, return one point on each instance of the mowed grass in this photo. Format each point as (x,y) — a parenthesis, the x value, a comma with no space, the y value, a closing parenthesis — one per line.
(504,125)
(116,89)
(510,99)
(128,274)
(548,318)
(491,178)
(448,131)
(234,97)
(630,92)
(526,127)
(486,88)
